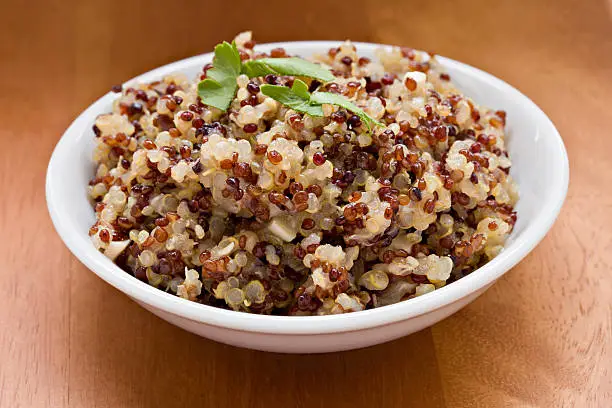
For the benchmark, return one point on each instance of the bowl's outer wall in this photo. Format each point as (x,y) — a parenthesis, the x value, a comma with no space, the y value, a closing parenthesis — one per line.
(539,166)
(315,343)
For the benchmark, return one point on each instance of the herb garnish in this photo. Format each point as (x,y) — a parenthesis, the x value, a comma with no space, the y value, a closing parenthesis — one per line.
(219,88)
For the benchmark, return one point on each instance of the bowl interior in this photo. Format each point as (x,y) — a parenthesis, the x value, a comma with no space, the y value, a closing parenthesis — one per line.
(539,167)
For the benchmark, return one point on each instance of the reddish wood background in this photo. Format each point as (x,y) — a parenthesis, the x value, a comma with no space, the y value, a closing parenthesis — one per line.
(540,337)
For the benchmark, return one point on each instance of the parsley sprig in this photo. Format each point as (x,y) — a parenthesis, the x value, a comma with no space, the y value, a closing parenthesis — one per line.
(219,88)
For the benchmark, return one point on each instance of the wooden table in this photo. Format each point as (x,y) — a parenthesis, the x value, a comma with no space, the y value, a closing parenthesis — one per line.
(542,336)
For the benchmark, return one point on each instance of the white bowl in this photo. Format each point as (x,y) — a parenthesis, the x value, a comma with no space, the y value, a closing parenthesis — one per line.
(540,167)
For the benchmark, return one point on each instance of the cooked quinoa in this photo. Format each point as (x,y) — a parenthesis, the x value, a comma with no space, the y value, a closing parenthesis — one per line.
(267,210)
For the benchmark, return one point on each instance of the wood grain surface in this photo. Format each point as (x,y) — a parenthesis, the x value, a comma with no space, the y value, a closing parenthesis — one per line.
(542,336)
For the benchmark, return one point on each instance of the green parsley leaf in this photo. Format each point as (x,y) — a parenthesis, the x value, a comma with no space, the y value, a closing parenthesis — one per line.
(256,68)
(296,98)
(219,88)
(287,66)
(301,89)
(339,100)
